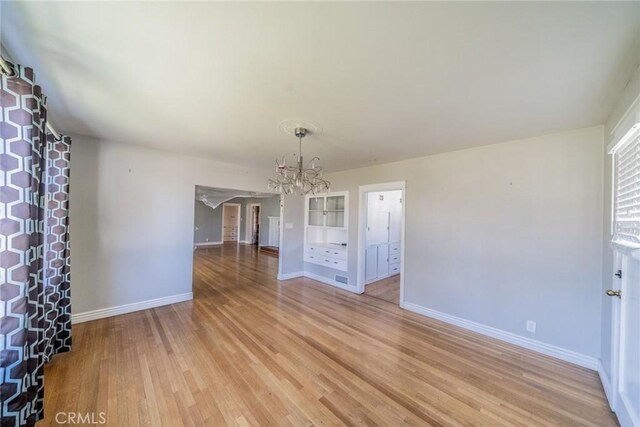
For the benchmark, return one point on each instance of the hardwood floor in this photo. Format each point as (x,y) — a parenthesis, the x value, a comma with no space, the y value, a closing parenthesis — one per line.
(386,289)
(249,350)
(270,250)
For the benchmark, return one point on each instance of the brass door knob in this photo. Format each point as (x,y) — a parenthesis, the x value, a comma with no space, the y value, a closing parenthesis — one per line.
(613,293)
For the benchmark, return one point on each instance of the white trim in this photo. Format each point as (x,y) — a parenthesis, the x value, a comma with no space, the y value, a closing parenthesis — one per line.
(203,244)
(606,383)
(625,248)
(363,190)
(129,308)
(287,276)
(544,348)
(625,418)
(331,282)
(632,133)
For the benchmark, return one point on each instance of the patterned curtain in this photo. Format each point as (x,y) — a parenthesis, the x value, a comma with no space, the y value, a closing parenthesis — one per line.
(34,251)
(57,273)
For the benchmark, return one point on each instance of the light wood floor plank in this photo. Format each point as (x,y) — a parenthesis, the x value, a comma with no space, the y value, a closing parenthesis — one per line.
(386,289)
(249,350)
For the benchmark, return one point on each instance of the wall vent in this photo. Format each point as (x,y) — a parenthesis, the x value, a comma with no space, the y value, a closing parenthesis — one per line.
(342,279)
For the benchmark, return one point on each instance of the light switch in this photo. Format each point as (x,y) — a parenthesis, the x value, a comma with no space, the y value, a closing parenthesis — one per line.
(288,225)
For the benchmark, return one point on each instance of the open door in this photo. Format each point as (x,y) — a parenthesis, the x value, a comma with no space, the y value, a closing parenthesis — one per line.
(625,290)
(625,294)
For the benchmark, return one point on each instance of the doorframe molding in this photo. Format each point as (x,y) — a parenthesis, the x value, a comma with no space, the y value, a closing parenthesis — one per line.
(224,205)
(363,190)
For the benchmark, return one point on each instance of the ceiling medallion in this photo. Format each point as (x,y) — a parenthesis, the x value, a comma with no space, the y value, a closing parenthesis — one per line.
(299,179)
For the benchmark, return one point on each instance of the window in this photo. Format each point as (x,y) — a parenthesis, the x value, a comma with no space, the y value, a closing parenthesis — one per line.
(626,189)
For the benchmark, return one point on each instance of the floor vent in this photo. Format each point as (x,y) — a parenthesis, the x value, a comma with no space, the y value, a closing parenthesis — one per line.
(342,279)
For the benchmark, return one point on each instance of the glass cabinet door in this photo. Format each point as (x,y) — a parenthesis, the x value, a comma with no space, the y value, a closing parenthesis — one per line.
(335,203)
(335,211)
(316,211)
(316,203)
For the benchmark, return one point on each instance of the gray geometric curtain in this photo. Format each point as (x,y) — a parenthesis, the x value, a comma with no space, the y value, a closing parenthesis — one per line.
(57,272)
(34,282)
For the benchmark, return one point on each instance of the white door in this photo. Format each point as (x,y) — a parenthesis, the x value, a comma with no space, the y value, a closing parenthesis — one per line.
(274,231)
(371,267)
(625,293)
(377,227)
(383,260)
(626,339)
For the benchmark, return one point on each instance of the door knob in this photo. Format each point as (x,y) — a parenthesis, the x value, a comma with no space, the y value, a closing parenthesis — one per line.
(613,293)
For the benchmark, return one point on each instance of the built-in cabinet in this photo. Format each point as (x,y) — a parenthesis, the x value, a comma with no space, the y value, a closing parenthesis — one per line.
(382,261)
(382,254)
(230,222)
(326,234)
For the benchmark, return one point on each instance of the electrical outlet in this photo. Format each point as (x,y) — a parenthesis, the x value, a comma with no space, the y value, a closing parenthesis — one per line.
(206,240)
(531,326)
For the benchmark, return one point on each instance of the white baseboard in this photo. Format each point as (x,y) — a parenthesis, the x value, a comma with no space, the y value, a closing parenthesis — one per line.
(287,276)
(204,244)
(531,344)
(129,308)
(606,383)
(329,281)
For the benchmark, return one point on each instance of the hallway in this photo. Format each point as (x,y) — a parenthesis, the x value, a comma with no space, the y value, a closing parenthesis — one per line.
(250,350)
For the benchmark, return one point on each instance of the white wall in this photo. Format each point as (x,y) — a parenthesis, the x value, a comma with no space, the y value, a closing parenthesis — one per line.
(629,95)
(292,239)
(131,219)
(503,234)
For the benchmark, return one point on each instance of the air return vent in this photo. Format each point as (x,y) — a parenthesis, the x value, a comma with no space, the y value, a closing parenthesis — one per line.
(342,279)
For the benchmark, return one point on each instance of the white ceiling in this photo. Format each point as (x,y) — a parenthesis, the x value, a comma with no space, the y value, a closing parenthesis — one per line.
(384,81)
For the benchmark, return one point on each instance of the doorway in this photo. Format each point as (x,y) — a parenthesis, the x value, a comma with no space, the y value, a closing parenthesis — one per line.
(230,222)
(253,224)
(381,241)
(230,228)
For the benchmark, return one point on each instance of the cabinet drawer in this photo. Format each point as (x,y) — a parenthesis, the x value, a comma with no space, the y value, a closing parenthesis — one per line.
(334,253)
(394,269)
(338,264)
(394,248)
(394,259)
(312,249)
(311,257)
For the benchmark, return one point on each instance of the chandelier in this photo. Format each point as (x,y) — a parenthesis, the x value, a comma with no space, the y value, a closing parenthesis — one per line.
(299,179)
